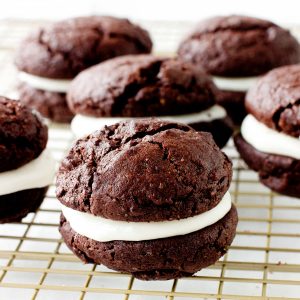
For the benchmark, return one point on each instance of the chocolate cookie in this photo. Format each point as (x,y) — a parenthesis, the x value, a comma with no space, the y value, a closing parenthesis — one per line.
(269,140)
(238,46)
(23,136)
(140,86)
(26,169)
(61,50)
(144,86)
(65,48)
(147,172)
(275,102)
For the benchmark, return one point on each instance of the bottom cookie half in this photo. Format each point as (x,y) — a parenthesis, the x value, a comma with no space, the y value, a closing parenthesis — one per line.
(234,103)
(160,259)
(51,105)
(15,206)
(221,129)
(279,173)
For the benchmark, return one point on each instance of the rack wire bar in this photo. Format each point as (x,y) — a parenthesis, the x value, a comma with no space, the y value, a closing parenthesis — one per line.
(262,263)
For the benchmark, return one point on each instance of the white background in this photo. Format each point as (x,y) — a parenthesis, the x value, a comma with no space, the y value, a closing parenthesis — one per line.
(285,12)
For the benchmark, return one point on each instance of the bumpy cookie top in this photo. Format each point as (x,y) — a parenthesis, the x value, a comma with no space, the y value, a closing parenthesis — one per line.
(146,170)
(23,136)
(239,46)
(141,85)
(65,48)
(275,100)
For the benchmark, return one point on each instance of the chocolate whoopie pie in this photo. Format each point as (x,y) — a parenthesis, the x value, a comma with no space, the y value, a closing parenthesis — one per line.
(136,86)
(269,139)
(26,168)
(235,50)
(51,56)
(147,197)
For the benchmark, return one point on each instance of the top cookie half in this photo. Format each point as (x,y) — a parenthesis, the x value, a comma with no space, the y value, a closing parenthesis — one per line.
(23,135)
(65,48)
(236,45)
(275,100)
(140,86)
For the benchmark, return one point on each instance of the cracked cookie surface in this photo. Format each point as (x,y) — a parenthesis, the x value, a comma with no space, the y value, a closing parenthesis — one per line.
(23,136)
(146,170)
(65,48)
(141,86)
(239,46)
(275,100)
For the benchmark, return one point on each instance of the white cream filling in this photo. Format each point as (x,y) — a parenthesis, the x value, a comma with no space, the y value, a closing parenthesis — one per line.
(104,230)
(269,140)
(46,84)
(82,125)
(35,174)
(239,84)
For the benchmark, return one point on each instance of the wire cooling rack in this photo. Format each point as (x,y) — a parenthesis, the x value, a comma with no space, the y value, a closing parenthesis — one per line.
(262,263)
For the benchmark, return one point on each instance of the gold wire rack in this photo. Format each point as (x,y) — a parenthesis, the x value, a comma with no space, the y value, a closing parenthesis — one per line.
(262,263)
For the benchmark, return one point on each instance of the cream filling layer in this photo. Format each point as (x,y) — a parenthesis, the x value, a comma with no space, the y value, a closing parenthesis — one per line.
(45,84)
(239,84)
(104,230)
(268,140)
(82,125)
(37,173)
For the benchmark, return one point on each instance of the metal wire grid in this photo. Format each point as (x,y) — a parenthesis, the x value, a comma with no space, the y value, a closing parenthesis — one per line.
(262,263)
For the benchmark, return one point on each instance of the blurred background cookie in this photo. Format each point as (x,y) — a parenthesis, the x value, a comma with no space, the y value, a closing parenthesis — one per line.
(236,50)
(52,55)
(269,139)
(145,86)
